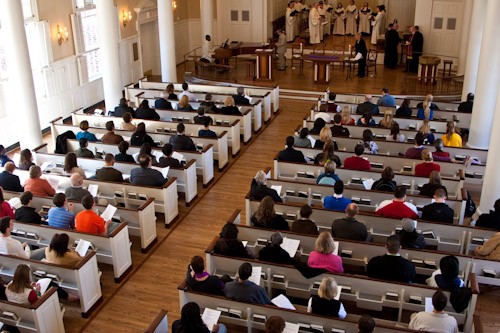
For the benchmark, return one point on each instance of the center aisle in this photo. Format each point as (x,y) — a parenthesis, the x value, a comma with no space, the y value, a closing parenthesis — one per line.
(154,285)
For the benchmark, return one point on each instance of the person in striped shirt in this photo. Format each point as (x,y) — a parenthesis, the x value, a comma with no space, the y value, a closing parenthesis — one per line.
(59,216)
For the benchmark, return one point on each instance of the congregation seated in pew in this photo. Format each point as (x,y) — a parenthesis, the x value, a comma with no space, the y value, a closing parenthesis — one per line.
(140,137)
(319,124)
(84,133)
(368,143)
(145,175)
(239,97)
(366,120)
(328,154)
(289,154)
(71,166)
(146,149)
(191,321)
(337,129)
(490,249)
(416,151)
(446,277)
(328,177)
(303,224)
(409,237)
(123,156)
(59,253)
(451,138)
(425,168)
(326,302)
(302,141)
(348,227)
(9,181)
(126,124)
(200,118)
(404,111)
(123,108)
(244,290)
(76,192)
(437,320)
(337,200)
(184,104)
(88,221)
(26,213)
(368,106)
(208,106)
(438,211)
(273,252)
(198,279)
(107,173)
(206,132)
(492,219)
(386,183)
(230,107)
(167,160)
(181,141)
(229,244)
(391,266)
(160,103)
(324,255)
(83,151)
(5,208)
(61,216)
(186,92)
(426,131)
(397,208)
(357,162)
(259,189)
(11,246)
(266,217)
(110,137)
(36,185)
(435,183)
(395,134)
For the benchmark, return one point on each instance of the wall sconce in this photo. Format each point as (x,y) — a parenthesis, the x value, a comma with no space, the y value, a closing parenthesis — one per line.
(62,35)
(126,18)
(174,5)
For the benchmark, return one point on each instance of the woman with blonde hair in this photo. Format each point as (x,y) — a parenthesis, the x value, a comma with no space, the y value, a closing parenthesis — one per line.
(388,120)
(451,138)
(434,183)
(346,116)
(265,216)
(426,131)
(230,107)
(326,303)
(184,104)
(325,135)
(323,255)
(425,168)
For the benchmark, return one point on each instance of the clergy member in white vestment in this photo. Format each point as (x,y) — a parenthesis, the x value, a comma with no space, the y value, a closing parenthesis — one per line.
(314,25)
(364,19)
(290,22)
(377,22)
(299,18)
(325,27)
(339,25)
(351,17)
(207,49)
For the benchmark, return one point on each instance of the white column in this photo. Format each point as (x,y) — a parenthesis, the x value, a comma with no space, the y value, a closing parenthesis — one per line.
(491,183)
(464,43)
(21,86)
(108,44)
(207,19)
(167,41)
(474,46)
(488,79)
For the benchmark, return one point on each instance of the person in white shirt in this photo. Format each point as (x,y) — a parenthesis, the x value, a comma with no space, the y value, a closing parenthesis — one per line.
(314,25)
(290,22)
(207,50)
(11,246)
(187,93)
(436,321)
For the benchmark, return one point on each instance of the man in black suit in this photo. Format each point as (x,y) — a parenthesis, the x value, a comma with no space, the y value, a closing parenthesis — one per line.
(145,175)
(416,42)
(162,103)
(367,106)
(392,41)
(181,141)
(9,181)
(108,173)
(239,98)
(468,104)
(360,47)
(289,154)
(123,108)
(438,211)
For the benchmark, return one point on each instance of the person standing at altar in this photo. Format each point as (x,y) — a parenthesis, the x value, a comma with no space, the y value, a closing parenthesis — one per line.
(415,47)
(314,25)
(325,27)
(392,41)
(339,24)
(207,50)
(281,49)
(365,13)
(290,22)
(377,22)
(360,47)
(351,17)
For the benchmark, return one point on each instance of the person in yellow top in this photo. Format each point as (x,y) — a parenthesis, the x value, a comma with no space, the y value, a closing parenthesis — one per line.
(451,138)
(59,253)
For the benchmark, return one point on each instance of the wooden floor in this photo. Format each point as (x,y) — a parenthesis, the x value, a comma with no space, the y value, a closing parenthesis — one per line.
(131,305)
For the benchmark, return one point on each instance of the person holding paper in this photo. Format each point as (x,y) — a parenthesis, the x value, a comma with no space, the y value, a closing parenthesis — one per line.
(327,303)
(36,185)
(59,252)
(21,290)
(26,213)
(145,175)
(364,19)
(139,137)
(9,181)
(323,255)
(304,225)
(386,183)
(244,290)
(290,22)
(273,252)
(88,221)
(301,140)
(240,98)
(108,173)
(76,192)
(339,20)
(198,279)
(59,216)
(228,243)
(167,160)
(5,208)
(11,246)
(147,150)
(259,189)
(360,47)
(266,217)
(192,322)
(377,22)
(438,320)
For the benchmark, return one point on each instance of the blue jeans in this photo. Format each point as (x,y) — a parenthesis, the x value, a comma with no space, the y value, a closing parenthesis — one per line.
(222,328)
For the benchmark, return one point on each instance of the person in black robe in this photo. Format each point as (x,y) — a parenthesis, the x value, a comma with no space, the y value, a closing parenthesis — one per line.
(360,47)
(392,41)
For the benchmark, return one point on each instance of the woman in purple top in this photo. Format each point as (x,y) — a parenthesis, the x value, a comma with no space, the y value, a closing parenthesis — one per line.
(323,255)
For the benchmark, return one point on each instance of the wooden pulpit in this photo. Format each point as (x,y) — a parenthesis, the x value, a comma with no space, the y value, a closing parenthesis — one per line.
(264,64)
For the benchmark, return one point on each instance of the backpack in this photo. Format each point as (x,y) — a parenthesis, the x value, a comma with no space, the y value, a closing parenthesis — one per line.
(61,145)
(470,206)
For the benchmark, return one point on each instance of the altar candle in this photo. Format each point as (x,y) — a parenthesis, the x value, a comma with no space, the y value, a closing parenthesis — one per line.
(350,47)
(300,47)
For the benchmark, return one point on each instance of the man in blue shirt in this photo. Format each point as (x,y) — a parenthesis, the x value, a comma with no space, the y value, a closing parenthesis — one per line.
(59,216)
(336,201)
(145,175)
(386,99)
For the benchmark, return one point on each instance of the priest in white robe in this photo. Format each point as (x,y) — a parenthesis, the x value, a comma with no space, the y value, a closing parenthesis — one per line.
(314,25)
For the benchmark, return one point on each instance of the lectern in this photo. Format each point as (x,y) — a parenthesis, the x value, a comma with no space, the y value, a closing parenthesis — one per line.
(264,64)
(427,70)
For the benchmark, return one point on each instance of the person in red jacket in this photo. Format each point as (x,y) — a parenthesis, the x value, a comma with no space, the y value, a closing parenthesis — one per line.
(425,168)
(357,162)
(397,208)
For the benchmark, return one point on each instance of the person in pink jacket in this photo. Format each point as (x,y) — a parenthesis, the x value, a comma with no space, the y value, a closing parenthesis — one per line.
(323,255)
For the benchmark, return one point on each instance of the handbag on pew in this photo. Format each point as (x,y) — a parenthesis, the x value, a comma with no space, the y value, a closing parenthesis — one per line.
(470,206)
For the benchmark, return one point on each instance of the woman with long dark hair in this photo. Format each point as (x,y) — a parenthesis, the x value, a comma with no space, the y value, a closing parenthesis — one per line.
(191,321)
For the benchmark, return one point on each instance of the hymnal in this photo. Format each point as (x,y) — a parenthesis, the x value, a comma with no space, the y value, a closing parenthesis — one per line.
(391,296)
(290,193)
(338,330)
(310,175)
(143,196)
(430,264)
(235,313)
(119,194)
(261,241)
(415,299)
(407,168)
(316,196)
(278,278)
(429,234)
(317,328)
(346,253)
(301,174)
(477,241)
(355,199)
(303,194)
(290,217)
(53,277)
(489,273)
(259,318)
(132,195)
(418,262)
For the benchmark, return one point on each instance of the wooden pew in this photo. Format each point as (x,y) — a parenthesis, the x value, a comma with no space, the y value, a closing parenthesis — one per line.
(141,222)
(165,197)
(138,95)
(442,236)
(153,126)
(159,324)
(43,316)
(219,144)
(204,159)
(186,175)
(83,278)
(246,119)
(113,249)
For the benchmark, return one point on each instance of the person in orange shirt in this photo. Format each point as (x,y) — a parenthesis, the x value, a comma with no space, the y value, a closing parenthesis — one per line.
(88,221)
